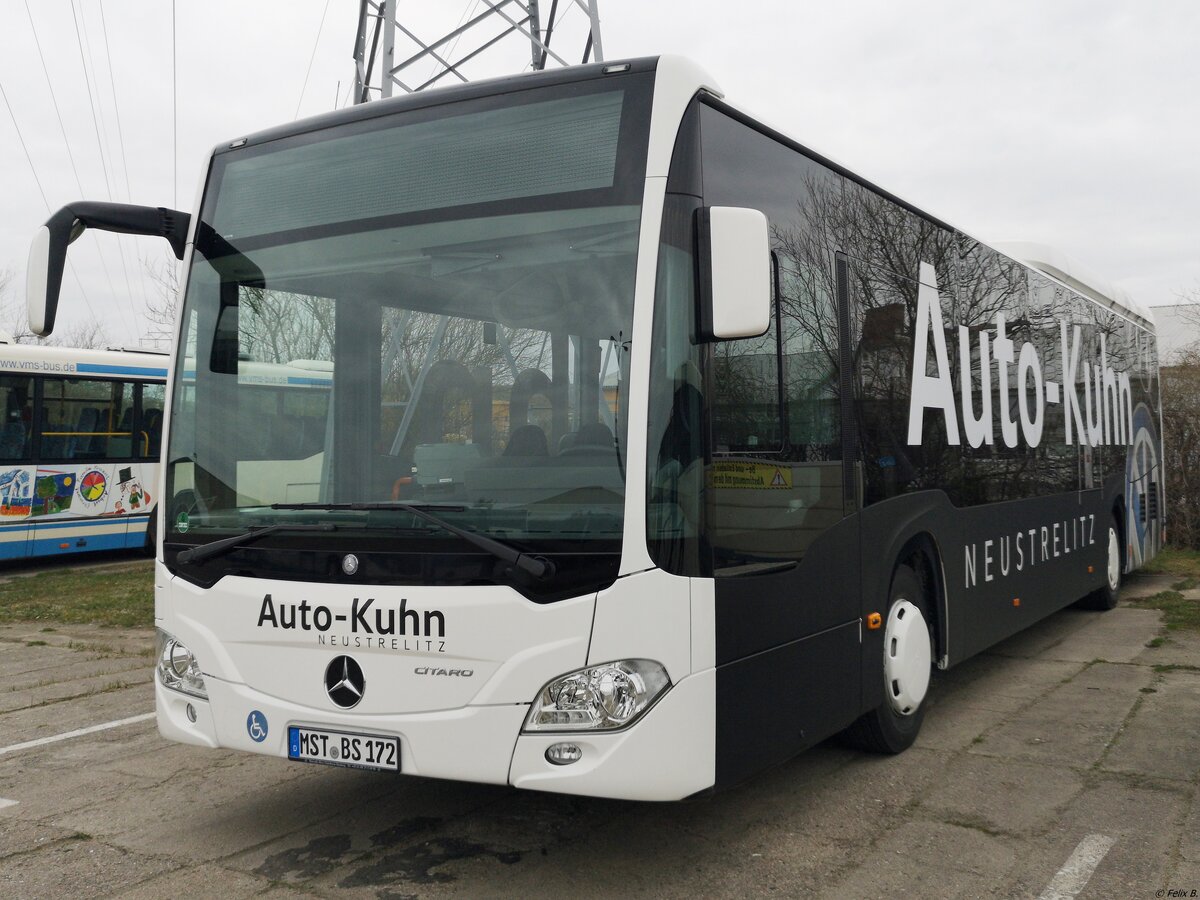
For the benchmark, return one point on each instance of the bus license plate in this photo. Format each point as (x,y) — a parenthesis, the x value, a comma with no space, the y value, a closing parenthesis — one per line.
(342,748)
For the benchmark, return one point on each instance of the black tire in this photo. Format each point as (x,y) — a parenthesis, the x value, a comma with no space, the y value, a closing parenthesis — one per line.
(151,533)
(885,729)
(1105,598)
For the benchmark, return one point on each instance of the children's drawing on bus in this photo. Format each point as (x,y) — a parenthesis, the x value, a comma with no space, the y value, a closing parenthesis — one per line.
(93,490)
(133,497)
(15,498)
(53,491)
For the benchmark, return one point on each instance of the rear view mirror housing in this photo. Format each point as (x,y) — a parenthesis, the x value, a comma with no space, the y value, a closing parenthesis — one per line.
(734,262)
(48,252)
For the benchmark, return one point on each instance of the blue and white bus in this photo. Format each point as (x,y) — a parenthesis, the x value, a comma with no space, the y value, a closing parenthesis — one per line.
(79,444)
(653,447)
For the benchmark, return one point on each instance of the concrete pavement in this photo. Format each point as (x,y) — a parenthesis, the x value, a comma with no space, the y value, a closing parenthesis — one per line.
(1074,739)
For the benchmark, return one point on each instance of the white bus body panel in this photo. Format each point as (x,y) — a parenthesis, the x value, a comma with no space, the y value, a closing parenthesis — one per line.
(450,726)
(470,728)
(456,727)
(645,616)
(668,754)
(510,645)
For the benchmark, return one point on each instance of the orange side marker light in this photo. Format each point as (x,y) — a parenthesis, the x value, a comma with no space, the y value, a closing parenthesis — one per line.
(874,621)
(1091,569)
(1016,601)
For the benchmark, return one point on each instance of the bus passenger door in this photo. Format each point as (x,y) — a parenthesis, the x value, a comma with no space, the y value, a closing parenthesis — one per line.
(16,465)
(781,525)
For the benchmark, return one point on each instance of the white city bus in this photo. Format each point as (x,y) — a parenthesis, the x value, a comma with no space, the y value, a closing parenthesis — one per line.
(79,448)
(654,447)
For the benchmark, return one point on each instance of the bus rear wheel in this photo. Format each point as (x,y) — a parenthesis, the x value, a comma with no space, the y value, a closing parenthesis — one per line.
(1105,597)
(892,727)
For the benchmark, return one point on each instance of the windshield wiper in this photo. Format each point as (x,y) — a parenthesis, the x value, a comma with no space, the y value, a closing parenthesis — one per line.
(215,548)
(536,566)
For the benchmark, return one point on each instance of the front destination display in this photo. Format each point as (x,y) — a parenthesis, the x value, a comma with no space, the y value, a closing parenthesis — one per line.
(616,444)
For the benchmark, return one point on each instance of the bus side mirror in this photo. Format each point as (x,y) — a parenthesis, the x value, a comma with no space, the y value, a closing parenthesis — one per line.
(48,252)
(43,279)
(735,273)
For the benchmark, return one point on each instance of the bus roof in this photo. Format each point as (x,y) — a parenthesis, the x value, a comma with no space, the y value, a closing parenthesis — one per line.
(39,359)
(1056,265)
(687,78)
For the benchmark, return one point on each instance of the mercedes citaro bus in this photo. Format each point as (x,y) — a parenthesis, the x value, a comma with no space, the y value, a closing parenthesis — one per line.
(654,447)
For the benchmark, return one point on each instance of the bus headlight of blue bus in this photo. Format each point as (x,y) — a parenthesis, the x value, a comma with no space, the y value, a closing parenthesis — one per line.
(608,696)
(177,667)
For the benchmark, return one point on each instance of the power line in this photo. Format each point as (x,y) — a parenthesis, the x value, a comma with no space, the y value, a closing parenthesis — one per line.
(21,138)
(467,13)
(54,100)
(87,80)
(115,185)
(100,145)
(112,83)
(116,108)
(32,168)
(308,71)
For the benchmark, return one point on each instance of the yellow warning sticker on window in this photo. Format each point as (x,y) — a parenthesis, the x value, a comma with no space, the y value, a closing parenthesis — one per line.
(751,476)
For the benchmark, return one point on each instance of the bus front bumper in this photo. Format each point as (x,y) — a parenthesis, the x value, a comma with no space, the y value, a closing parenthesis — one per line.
(668,754)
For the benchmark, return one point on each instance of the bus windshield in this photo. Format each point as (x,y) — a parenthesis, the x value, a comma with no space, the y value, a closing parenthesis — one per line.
(429,307)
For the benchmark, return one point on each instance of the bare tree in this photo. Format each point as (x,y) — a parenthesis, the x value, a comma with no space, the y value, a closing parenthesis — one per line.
(1187,311)
(162,308)
(87,334)
(1181,446)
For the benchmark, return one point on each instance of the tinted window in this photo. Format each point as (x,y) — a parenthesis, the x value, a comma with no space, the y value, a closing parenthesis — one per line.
(16,394)
(86,419)
(148,440)
(774,482)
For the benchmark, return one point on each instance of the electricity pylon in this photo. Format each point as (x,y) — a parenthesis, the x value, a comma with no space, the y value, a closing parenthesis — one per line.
(388,54)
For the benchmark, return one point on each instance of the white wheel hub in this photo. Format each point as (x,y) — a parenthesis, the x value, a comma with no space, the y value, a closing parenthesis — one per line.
(1114,559)
(907,655)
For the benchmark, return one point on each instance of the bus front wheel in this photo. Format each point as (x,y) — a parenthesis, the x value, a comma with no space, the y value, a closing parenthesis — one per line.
(892,727)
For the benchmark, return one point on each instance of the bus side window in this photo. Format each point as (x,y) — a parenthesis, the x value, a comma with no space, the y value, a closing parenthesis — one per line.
(17,394)
(148,435)
(746,408)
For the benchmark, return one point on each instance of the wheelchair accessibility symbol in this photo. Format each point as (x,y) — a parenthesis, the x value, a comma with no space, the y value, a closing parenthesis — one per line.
(256,726)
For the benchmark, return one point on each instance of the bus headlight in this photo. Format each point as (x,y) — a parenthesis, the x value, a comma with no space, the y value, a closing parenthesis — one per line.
(177,667)
(603,697)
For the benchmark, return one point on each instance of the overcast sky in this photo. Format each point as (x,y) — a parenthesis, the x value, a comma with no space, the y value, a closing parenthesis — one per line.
(1069,123)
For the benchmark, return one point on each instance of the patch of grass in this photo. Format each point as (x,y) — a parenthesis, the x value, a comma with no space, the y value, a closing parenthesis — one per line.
(35,644)
(117,596)
(1180,612)
(1173,561)
(92,647)
(1176,667)
(1186,585)
(1156,642)
(48,628)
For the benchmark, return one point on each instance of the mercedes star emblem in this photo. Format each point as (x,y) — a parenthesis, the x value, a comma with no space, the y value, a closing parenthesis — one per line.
(344,682)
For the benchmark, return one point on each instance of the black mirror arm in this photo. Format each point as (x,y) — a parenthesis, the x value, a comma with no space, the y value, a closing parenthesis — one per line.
(70,221)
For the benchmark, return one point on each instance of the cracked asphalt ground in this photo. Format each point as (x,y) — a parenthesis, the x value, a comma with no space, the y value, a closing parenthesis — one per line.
(1084,725)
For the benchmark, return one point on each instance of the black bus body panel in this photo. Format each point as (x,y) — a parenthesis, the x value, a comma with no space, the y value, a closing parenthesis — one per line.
(781,688)
(1008,532)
